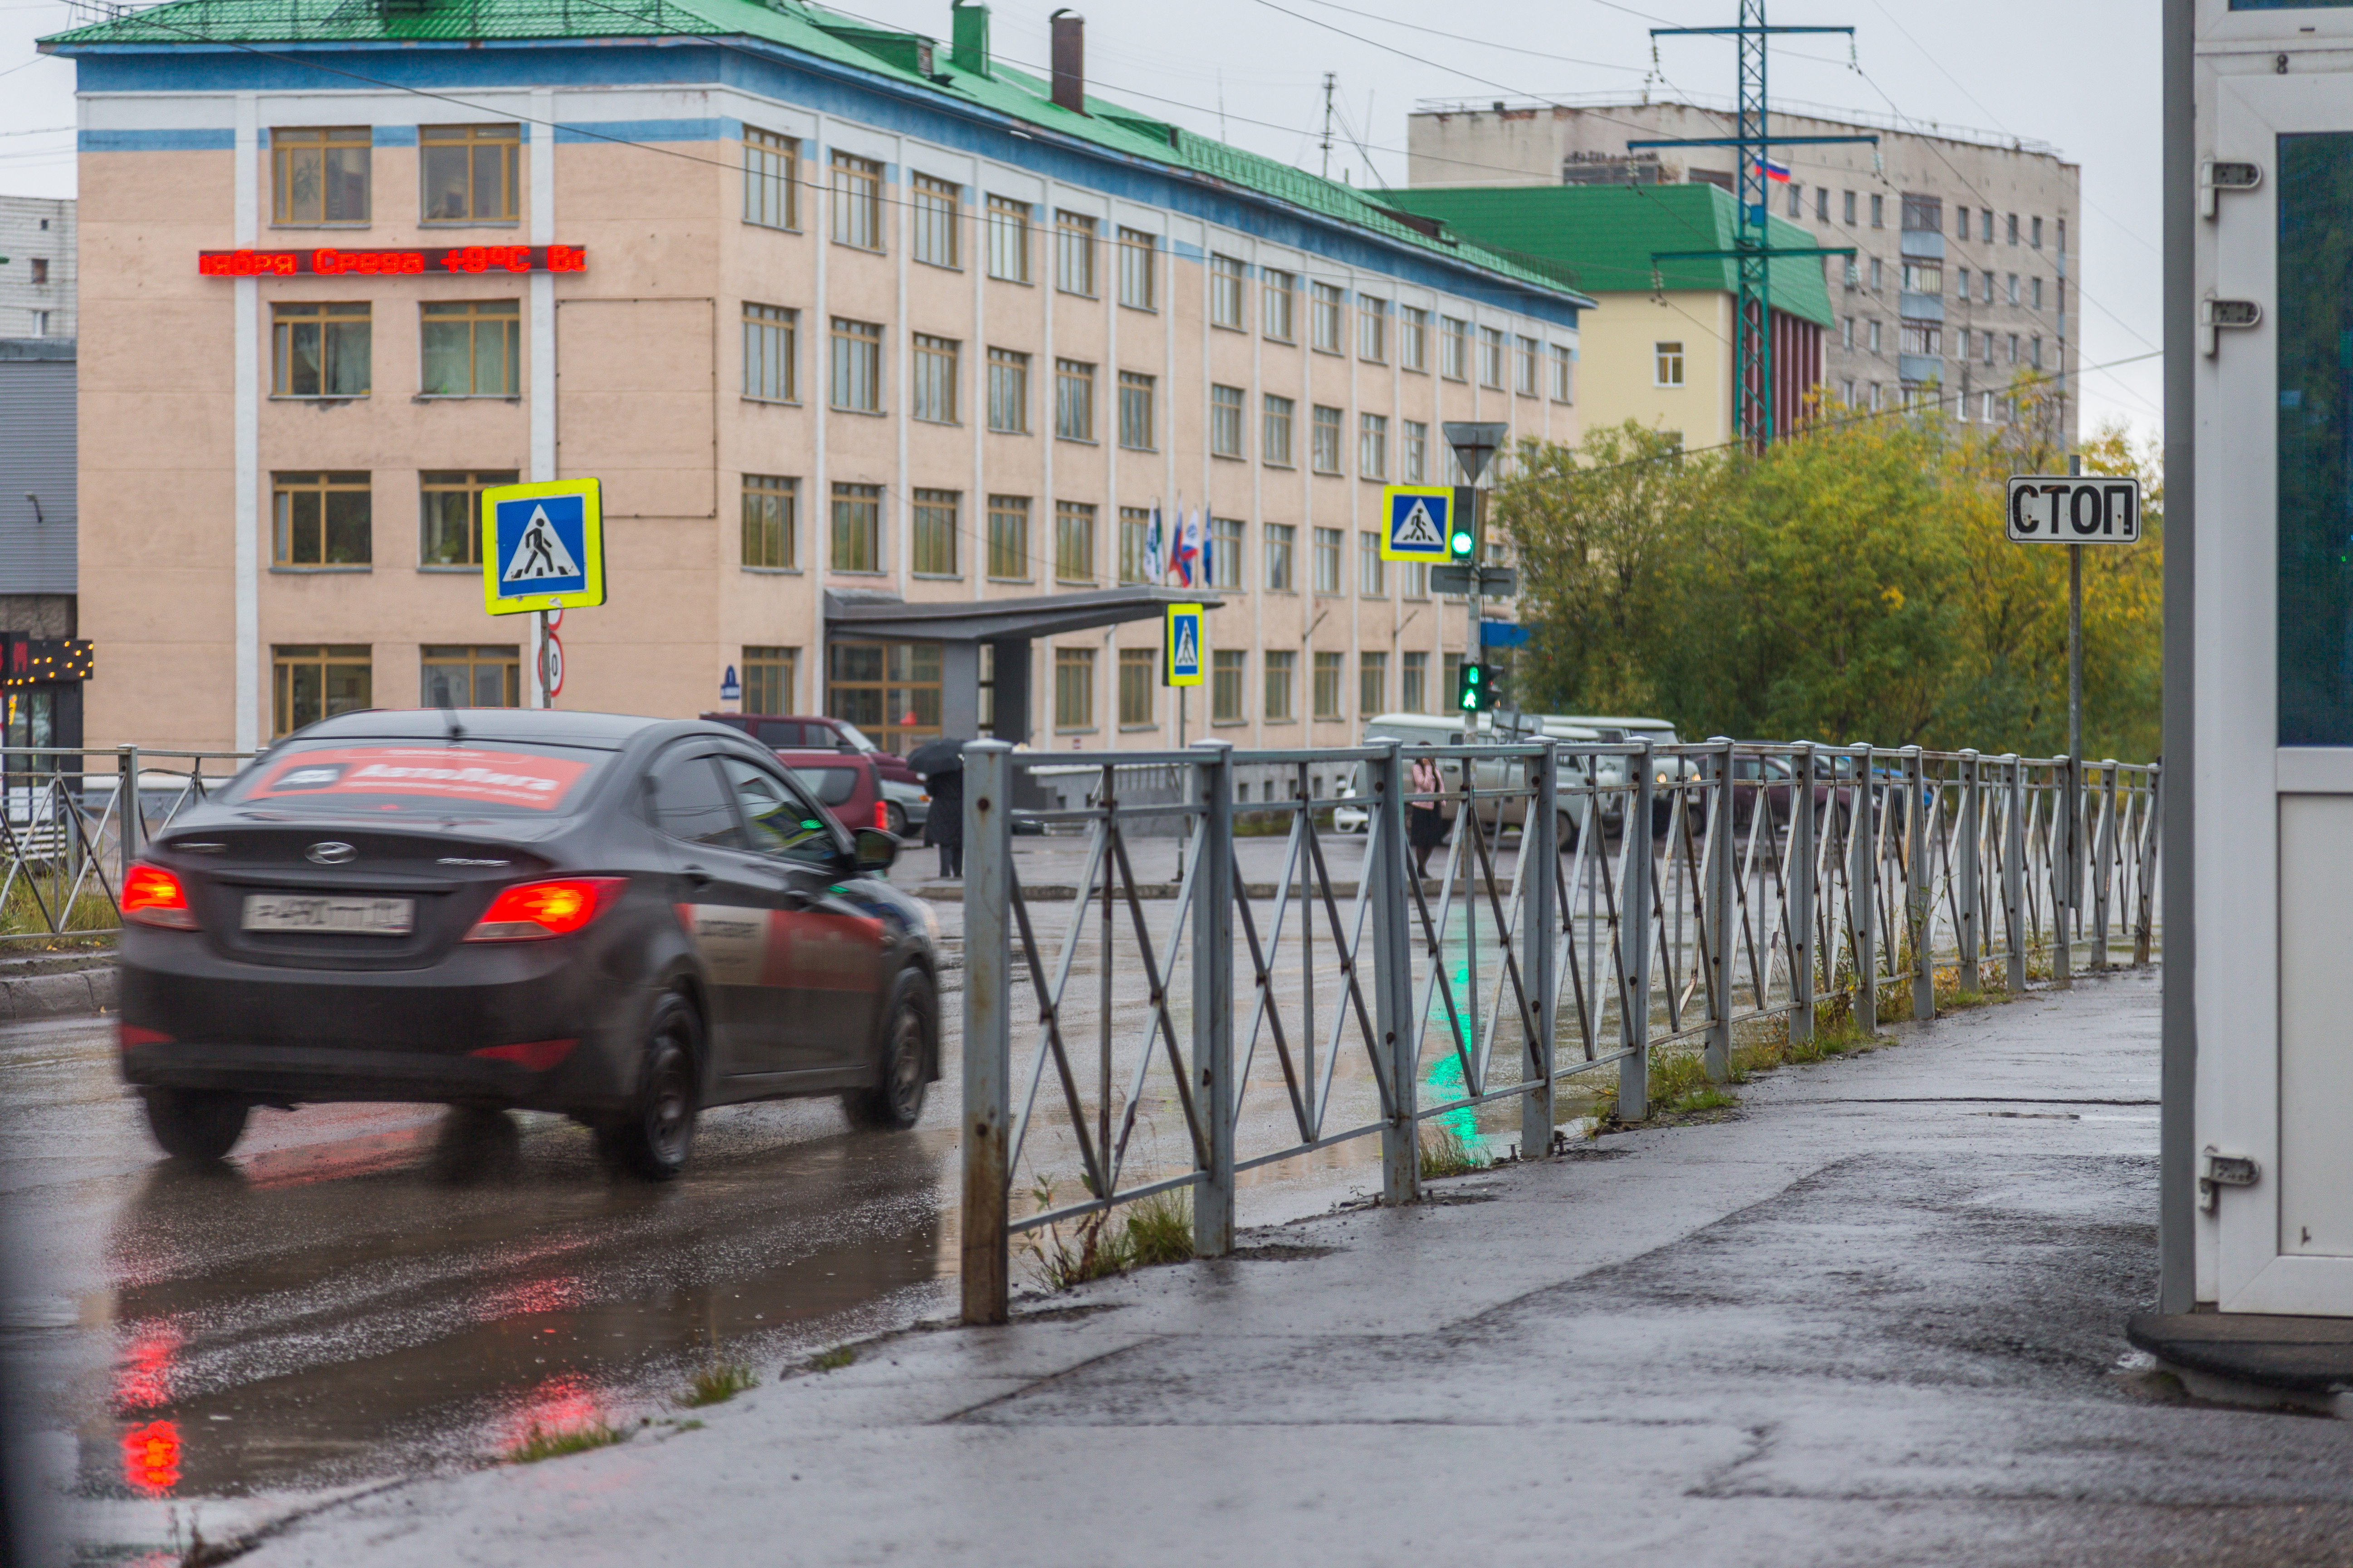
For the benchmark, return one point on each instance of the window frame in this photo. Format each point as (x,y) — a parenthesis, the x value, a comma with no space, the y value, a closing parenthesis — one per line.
(1667,367)
(287,484)
(286,142)
(1326,670)
(1280,670)
(765,325)
(1228,675)
(1326,303)
(287,658)
(1139,678)
(286,316)
(1008,373)
(1075,400)
(769,499)
(1139,255)
(1074,690)
(1372,446)
(1325,548)
(505,657)
(468,483)
(1281,553)
(1139,411)
(856,185)
(476,314)
(776,663)
(767,189)
(933,516)
(935,214)
(1278,453)
(1009,538)
(854,347)
(1074,254)
(508,137)
(1413,339)
(1228,413)
(1075,544)
(1324,439)
(1372,330)
(937,372)
(1229,283)
(1009,222)
(1278,301)
(866,538)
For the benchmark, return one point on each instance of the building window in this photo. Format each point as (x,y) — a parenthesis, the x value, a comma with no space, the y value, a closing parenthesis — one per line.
(1986,340)
(319,351)
(2034,236)
(1373,446)
(2034,292)
(889,690)
(468,172)
(1846,334)
(1919,338)
(1848,209)
(1324,319)
(1279,548)
(1326,692)
(771,353)
(1075,400)
(856,365)
(1451,680)
(1138,422)
(320,519)
(1414,459)
(772,179)
(771,522)
(935,378)
(1009,538)
(1324,448)
(857,528)
(1797,200)
(938,205)
(1415,575)
(319,681)
(1009,392)
(1985,407)
(1225,563)
(472,348)
(1372,684)
(857,202)
(1276,444)
(1225,670)
(1327,560)
(1491,357)
(1413,682)
(1074,689)
(1134,531)
(1962,288)
(1924,278)
(1372,571)
(2034,347)
(1136,288)
(1075,544)
(1822,204)
(320,177)
(1074,254)
(1960,223)
(1008,240)
(41,268)
(2063,236)
(450,515)
(1846,391)
(1276,293)
(934,552)
(1525,354)
(1564,373)
(1875,274)
(468,675)
(1372,330)
(1281,670)
(1413,338)
(1139,673)
(768,679)
(1878,212)
(1226,284)
(1226,421)
(1667,364)
(1924,214)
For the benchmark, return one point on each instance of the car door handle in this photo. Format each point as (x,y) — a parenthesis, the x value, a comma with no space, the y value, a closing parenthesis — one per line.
(698,876)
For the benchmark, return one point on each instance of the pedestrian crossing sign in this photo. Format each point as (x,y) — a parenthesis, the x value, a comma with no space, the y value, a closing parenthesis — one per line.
(1417,516)
(542,546)
(1180,646)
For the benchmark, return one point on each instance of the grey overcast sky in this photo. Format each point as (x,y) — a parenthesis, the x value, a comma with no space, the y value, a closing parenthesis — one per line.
(1992,66)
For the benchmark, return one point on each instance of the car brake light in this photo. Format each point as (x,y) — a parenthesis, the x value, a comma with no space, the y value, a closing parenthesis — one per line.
(530,910)
(531,1056)
(130,1035)
(882,815)
(153,897)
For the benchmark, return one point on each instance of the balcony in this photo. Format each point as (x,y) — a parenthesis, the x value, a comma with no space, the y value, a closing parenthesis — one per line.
(1921,307)
(1914,370)
(1924,244)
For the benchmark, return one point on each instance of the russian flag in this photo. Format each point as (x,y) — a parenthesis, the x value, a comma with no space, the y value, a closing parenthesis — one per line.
(1772,170)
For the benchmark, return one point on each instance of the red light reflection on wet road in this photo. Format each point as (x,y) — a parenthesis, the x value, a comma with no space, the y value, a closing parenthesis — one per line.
(150,1458)
(143,1380)
(558,1405)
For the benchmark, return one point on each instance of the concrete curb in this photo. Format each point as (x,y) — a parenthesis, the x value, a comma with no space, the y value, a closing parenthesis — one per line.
(59,994)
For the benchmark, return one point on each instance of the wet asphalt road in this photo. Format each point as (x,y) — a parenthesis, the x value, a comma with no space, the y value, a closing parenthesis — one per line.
(365,1290)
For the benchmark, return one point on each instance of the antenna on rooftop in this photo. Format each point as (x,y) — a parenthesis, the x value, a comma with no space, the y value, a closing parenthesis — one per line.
(1331,78)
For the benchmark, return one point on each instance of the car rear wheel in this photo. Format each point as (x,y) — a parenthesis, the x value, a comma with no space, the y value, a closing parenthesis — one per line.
(654,1140)
(903,1075)
(197,1123)
(894,818)
(1565,830)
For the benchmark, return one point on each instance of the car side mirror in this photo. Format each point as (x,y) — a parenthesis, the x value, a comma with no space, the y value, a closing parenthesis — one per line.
(873,849)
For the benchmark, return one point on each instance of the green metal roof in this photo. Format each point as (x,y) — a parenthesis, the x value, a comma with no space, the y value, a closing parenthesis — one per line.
(827,36)
(1608,234)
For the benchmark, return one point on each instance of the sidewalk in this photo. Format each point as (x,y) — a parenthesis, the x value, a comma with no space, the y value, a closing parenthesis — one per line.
(1875,1318)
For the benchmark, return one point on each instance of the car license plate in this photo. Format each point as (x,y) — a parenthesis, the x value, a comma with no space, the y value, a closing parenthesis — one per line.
(356,916)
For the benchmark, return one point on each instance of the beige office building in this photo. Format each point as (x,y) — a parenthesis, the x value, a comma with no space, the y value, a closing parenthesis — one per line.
(1963,273)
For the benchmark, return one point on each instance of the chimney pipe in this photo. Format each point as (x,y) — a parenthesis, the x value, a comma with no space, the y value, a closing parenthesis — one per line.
(1070,61)
(969,50)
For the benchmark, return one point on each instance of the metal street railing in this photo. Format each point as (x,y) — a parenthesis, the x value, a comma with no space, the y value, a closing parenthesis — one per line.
(71,820)
(1597,907)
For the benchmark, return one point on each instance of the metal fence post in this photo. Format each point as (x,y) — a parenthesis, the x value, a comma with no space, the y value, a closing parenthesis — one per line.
(127,819)
(2063,866)
(988,1026)
(1970,906)
(1213,996)
(1634,944)
(1799,885)
(2104,864)
(1863,893)
(2147,888)
(1388,866)
(1919,902)
(1540,859)
(2013,874)
(1722,916)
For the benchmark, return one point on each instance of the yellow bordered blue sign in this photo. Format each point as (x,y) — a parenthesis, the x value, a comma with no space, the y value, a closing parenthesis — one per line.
(1180,646)
(1414,520)
(542,546)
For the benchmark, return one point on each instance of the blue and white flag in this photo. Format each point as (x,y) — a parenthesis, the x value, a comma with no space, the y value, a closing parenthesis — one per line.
(1152,547)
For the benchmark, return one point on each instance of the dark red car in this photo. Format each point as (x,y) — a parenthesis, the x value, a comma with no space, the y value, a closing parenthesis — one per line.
(846,784)
(804,731)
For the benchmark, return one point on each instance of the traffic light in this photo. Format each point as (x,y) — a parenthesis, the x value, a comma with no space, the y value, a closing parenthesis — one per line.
(1462,544)
(1472,694)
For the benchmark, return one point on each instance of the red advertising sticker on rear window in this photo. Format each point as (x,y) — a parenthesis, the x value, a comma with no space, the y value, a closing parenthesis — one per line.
(433,772)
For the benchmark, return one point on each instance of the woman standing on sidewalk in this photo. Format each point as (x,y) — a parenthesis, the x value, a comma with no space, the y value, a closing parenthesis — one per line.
(1425,822)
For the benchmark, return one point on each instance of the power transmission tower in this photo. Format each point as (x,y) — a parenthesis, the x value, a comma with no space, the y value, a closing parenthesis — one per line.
(1753,414)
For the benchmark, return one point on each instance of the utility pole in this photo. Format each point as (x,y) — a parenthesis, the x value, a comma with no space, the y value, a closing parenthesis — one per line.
(1331,80)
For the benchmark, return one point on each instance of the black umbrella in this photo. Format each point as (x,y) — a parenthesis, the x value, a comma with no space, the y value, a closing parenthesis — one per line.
(945,756)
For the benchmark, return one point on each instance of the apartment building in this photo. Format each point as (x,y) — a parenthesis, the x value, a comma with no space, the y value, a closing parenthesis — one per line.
(36,267)
(1962,279)
(885,349)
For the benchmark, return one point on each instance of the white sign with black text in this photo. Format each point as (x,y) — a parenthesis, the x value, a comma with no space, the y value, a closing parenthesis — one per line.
(2082,509)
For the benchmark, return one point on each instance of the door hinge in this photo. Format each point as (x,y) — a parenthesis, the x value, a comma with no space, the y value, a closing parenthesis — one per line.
(2217,1171)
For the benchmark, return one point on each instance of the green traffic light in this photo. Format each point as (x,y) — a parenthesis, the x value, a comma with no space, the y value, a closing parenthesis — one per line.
(1461,542)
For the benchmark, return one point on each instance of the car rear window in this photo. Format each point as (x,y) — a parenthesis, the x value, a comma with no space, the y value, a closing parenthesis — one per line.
(507,778)
(830,785)
(779,734)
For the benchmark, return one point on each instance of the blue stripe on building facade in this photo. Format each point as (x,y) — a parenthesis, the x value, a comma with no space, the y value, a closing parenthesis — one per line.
(155,141)
(788,78)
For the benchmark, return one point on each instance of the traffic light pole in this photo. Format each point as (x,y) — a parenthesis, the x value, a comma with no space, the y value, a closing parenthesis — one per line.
(1472,651)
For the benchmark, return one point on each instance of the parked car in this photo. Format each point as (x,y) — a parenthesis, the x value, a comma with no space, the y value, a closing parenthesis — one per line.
(846,784)
(1505,809)
(624,919)
(910,802)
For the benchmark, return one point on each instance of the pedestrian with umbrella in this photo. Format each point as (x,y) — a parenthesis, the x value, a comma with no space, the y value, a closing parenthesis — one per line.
(940,764)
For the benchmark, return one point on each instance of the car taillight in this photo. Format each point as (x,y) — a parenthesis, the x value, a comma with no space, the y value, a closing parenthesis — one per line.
(530,910)
(882,815)
(153,897)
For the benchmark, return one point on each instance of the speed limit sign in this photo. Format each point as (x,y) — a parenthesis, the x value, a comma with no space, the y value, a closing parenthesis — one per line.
(550,668)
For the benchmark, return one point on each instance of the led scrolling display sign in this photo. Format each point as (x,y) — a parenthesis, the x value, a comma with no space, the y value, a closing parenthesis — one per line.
(325,262)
